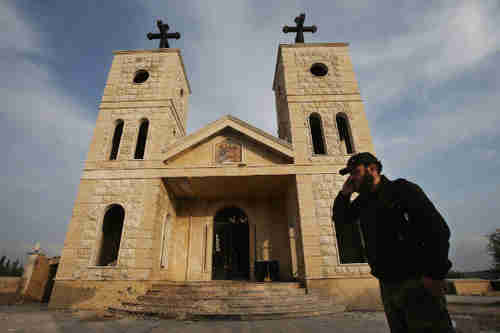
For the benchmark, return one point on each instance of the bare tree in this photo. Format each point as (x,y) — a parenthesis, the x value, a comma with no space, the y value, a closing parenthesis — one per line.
(494,249)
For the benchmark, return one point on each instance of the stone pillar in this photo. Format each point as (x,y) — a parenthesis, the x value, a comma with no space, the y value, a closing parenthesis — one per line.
(310,231)
(36,274)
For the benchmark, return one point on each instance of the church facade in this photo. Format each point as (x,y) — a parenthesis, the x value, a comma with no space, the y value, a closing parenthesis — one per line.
(158,204)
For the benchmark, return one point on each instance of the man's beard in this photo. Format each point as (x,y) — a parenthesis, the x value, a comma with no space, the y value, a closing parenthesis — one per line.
(366,183)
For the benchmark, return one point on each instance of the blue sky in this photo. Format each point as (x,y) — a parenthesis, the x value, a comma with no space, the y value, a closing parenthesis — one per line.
(428,75)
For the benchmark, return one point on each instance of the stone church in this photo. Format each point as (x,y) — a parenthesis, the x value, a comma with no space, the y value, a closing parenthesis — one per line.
(227,205)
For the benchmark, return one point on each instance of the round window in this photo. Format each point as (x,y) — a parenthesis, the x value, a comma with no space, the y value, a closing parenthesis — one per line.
(319,69)
(141,76)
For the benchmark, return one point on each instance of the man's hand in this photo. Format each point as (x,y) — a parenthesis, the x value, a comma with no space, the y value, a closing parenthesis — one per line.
(348,187)
(435,287)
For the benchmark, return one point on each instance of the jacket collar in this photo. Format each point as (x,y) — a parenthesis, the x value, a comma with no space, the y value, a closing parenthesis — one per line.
(383,182)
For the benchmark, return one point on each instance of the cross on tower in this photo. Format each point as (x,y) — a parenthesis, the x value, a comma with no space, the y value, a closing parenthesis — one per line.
(300,29)
(163,36)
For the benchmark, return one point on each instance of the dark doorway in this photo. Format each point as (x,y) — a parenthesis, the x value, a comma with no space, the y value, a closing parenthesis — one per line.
(50,283)
(231,245)
(111,235)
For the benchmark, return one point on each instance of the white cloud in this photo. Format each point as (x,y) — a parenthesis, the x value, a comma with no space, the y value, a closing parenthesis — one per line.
(485,154)
(236,49)
(16,34)
(45,136)
(470,253)
(439,44)
(441,128)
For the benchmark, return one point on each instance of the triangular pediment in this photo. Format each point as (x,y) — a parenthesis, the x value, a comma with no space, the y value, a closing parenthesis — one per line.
(228,140)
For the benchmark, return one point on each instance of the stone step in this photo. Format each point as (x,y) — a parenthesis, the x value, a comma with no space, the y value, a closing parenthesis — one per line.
(209,308)
(234,305)
(304,299)
(265,315)
(230,282)
(230,300)
(241,293)
(284,302)
(250,297)
(222,285)
(186,291)
(229,292)
(232,315)
(276,307)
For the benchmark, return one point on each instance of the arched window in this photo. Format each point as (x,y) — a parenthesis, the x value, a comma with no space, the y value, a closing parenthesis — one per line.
(350,243)
(116,139)
(344,133)
(111,235)
(141,140)
(317,133)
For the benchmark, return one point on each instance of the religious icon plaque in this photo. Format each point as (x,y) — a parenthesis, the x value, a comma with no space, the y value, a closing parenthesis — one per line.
(228,152)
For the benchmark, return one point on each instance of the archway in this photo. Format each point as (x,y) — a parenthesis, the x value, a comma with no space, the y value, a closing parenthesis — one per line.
(231,245)
(111,236)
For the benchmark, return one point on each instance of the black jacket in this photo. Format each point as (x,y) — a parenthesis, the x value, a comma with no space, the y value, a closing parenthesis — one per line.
(405,236)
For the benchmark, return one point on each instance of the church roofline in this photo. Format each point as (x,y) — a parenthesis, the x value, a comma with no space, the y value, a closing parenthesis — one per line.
(163,50)
(299,45)
(262,132)
(214,127)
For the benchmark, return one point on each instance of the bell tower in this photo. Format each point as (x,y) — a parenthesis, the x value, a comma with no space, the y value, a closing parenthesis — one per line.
(319,107)
(115,231)
(144,106)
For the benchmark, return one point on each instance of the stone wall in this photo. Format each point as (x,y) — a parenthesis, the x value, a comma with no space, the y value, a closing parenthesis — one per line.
(299,94)
(191,241)
(471,287)
(297,61)
(336,150)
(36,278)
(9,284)
(82,244)
(294,232)
(282,112)
(163,250)
(94,295)
(328,112)
(160,134)
(203,154)
(9,289)
(325,190)
(166,78)
(357,293)
(162,99)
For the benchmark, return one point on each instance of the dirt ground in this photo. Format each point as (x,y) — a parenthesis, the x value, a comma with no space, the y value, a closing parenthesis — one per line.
(38,318)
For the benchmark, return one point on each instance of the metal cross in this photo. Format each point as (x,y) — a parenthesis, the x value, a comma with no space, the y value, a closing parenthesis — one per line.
(300,29)
(163,36)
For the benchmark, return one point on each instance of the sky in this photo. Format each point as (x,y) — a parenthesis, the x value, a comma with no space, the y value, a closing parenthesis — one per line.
(427,70)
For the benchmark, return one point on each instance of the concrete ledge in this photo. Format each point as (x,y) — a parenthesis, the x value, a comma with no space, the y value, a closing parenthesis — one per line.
(92,295)
(469,287)
(9,289)
(354,293)
(9,284)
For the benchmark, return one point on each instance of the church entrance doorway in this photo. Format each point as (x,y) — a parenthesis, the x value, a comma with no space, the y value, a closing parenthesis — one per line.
(231,245)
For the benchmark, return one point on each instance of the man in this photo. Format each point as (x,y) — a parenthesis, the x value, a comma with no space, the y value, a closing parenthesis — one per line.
(406,241)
